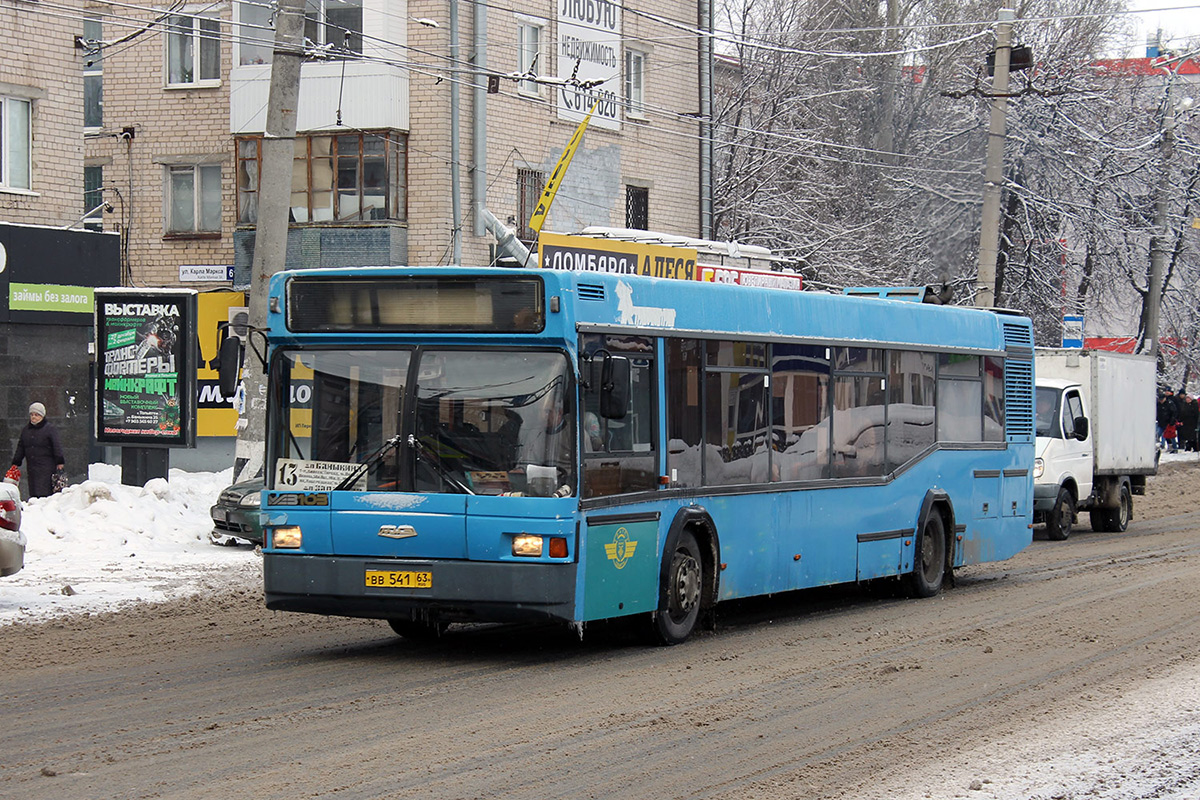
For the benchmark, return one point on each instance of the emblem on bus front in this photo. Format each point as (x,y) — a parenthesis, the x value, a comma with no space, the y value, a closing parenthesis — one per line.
(297,499)
(397,531)
(621,549)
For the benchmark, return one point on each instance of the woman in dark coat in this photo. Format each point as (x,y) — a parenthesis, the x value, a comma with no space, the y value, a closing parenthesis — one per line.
(39,445)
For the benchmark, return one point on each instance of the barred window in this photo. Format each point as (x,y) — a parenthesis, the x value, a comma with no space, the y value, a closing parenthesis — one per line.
(637,208)
(530,185)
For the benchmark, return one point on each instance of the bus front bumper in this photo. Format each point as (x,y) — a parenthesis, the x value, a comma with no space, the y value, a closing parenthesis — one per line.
(460,591)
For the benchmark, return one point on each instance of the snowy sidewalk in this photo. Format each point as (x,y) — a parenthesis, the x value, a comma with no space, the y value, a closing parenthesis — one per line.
(100,545)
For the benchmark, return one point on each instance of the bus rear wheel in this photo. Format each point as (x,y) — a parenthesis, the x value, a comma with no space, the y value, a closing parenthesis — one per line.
(929,567)
(680,606)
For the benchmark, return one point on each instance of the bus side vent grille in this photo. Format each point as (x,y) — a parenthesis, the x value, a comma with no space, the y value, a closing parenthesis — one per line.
(1018,381)
(1018,335)
(591,291)
(1018,399)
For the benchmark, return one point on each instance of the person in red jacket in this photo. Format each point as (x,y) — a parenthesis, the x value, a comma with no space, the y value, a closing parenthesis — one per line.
(39,446)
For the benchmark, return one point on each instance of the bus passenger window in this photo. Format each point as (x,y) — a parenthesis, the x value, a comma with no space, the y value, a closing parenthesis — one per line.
(619,454)
(912,381)
(993,400)
(684,419)
(799,412)
(959,399)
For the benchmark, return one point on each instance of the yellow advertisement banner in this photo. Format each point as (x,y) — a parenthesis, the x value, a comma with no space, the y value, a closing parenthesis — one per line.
(214,414)
(588,254)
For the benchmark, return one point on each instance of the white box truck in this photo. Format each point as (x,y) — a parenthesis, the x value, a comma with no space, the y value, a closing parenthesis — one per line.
(1095,415)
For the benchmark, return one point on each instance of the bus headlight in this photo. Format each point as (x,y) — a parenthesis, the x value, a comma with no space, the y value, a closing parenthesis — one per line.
(287,537)
(1039,467)
(527,544)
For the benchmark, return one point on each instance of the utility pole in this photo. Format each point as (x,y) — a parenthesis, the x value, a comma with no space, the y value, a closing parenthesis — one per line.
(993,181)
(1158,241)
(270,237)
(885,141)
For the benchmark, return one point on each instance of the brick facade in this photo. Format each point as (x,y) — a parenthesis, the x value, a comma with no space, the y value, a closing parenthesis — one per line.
(169,126)
(177,126)
(41,63)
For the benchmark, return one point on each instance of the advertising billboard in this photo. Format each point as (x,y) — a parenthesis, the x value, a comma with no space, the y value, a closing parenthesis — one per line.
(145,367)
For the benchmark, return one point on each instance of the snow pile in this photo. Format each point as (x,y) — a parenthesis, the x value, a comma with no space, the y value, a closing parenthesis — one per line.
(98,545)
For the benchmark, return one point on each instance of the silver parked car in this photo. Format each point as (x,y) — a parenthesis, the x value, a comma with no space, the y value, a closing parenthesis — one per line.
(12,541)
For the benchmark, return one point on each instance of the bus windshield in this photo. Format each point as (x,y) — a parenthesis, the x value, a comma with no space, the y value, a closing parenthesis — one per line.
(484,421)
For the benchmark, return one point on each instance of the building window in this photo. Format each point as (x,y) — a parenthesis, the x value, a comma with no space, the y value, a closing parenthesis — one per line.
(529,52)
(530,185)
(93,75)
(194,199)
(355,177)
(93,198)
(635,84)
(337,23)
(637,208)
(193,50)
(256,35)
(15,168)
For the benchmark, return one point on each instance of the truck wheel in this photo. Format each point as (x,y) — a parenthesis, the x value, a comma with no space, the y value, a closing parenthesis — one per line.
(1116,520)
(1061,518)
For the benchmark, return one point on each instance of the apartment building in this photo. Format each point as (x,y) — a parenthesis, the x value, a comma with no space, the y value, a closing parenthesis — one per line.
(49,265)
(395,134)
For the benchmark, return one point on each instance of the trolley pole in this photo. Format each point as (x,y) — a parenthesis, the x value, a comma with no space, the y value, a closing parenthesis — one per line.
(993,182)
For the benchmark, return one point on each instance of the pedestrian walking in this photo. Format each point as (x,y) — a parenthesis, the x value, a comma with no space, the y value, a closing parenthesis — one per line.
(1189,418)
(39,446)
(1167,414)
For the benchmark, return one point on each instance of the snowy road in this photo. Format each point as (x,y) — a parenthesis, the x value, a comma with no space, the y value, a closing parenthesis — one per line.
(1070,671)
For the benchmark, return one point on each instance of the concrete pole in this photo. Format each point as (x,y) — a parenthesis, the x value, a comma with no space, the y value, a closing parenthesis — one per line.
(270,237)
(993,182)
(479,122)
(886,140)
(1158,242)
(706,121)
(455,145)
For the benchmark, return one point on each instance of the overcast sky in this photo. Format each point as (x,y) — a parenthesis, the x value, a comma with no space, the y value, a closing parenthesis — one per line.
(1178,20)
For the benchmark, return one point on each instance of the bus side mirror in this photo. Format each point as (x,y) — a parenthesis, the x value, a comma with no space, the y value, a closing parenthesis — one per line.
(229,359)
(614,387)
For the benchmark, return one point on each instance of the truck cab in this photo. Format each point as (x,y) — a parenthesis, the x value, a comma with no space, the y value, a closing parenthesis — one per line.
(1063,454)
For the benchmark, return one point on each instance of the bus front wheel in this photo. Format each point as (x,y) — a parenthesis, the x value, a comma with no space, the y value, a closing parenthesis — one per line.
(680,606)
(421,630)
(929,567)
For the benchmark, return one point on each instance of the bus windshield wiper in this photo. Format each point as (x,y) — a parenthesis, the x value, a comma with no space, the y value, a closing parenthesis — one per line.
(424,453)
(374,458)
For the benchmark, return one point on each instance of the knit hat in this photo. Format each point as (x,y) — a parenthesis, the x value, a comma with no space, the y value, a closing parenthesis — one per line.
(37,408)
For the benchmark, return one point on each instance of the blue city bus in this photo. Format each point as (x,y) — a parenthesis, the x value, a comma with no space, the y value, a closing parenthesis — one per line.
(452,445)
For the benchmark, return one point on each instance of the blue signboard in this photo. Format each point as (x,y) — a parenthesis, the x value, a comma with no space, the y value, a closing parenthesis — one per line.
(1072,331)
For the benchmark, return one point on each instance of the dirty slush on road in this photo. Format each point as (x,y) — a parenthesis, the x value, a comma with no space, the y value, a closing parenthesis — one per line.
(1067,671)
